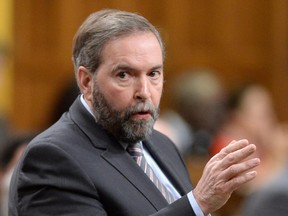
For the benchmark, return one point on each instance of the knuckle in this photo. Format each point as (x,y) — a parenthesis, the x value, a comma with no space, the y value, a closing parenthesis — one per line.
(230,158)
(213,171)
(232,170)
(233,184)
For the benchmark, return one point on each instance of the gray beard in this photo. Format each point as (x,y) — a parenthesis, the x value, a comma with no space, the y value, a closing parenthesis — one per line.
(119,123)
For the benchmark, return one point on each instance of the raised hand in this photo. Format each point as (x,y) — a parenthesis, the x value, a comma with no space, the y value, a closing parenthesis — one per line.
(224,173)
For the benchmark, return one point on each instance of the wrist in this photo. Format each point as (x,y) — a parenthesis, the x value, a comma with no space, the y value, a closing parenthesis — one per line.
(201,202)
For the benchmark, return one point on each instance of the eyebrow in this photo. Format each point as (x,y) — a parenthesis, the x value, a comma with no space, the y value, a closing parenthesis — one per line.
(122,67)
(157,67)
(129,68)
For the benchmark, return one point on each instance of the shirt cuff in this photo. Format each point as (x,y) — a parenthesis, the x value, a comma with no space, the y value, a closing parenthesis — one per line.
(194,204)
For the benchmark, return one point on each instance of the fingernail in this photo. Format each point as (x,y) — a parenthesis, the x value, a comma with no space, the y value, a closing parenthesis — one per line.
(252,148)
(256,161)
(252,173)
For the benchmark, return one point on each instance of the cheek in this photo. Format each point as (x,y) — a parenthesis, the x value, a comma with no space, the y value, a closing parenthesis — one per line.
(156,95)
(122,100)
(119,99)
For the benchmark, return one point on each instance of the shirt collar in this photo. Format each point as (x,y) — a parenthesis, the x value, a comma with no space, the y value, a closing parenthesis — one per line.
(83,101)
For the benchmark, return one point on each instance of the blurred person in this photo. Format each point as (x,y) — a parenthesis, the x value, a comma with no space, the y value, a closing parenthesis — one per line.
(90,161)
(177,129)
(252,115)
(272,197)
(13,149)
(197,111)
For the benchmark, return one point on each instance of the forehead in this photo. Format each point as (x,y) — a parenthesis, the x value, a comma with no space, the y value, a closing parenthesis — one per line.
(139,45)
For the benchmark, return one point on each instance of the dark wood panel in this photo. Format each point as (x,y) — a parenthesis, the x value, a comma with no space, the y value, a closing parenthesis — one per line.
(278,56)
(240,39)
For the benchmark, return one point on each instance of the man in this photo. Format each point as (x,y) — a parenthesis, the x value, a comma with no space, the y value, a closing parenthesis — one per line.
(82,164)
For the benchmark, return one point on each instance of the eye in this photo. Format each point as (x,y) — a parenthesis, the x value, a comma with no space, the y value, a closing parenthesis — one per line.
(122,75)
(155,74)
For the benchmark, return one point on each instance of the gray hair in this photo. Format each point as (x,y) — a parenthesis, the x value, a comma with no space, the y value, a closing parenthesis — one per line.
(101,27)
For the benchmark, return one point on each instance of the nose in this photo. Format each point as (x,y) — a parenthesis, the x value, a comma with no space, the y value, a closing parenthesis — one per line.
(142,89)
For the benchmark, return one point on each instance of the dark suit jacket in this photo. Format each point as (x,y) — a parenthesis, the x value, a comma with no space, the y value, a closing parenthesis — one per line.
(76,168)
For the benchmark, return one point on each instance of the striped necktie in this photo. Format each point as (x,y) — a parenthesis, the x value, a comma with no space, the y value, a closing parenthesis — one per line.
(136,151)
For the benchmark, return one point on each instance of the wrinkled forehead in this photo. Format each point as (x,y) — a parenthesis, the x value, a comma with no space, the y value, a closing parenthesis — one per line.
(141,48)
(132,34)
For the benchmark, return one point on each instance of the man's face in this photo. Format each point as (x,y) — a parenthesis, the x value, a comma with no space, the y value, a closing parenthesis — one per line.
(127,87)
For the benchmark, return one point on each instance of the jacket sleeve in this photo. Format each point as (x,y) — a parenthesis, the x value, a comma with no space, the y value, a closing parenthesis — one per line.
(180,207)
(52,184)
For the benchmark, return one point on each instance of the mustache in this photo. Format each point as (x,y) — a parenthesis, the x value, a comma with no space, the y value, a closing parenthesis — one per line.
(143,107)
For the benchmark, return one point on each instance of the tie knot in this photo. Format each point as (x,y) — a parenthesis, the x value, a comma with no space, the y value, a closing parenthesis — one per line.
(135,150)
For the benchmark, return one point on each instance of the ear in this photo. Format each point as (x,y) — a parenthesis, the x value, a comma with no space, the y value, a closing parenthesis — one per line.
(85,82)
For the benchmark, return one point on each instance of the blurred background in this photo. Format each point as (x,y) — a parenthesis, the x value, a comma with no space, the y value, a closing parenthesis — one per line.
(240,41)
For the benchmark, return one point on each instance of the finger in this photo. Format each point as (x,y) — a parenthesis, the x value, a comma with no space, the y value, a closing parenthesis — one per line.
(235,145)
(237,156)
(238,169)
(231,147)
(237,181)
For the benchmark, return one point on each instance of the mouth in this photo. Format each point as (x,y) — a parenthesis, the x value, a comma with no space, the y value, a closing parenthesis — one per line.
(142,115)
